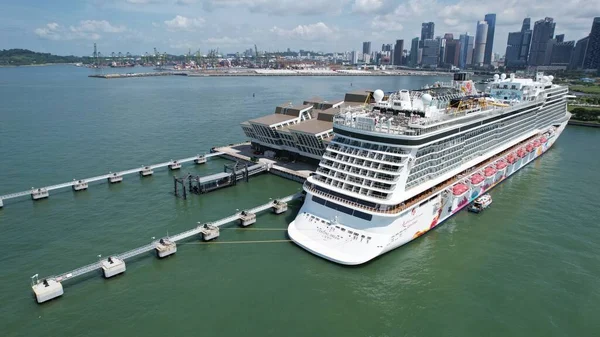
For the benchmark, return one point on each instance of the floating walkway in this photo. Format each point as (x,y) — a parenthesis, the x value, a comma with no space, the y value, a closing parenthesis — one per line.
(229,177)
(111,177)
(51,287)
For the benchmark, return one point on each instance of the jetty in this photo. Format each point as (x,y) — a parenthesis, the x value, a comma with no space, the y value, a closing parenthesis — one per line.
(51,287)
(112,177)
(232,173)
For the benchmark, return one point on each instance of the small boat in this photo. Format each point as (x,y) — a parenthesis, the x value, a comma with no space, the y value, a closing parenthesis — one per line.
(480,203)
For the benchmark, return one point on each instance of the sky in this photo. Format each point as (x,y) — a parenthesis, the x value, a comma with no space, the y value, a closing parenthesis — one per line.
(175,26)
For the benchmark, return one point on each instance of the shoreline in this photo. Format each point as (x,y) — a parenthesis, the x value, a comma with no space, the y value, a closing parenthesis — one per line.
(254,74)
(584,123)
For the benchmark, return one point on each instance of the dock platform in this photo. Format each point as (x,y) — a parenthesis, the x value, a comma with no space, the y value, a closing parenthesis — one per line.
(54,282)
(112,177)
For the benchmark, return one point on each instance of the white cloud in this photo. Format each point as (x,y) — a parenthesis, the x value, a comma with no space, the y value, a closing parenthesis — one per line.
(143,2)
(315,31)
(367,6)
(185,2)
(86,30)
(50,32)
(94,26)
(282,7)
(180,23)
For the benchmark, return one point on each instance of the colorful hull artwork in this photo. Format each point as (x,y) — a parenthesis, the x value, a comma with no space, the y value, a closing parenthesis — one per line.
(419,220)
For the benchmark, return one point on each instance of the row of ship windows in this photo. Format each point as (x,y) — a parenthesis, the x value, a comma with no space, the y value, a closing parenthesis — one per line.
(368,145)
(365,154)
(358,171)
(435,151)
(352,188)
(459,140)
(363,182)
(367,164)
(473,149)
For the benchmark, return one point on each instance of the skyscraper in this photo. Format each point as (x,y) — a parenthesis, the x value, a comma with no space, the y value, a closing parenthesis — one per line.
(543,32)
(579,53)
(561,52)
(452,52)
(480,39)
(431,53)
(517,49)
(592,55)
(489,41)
(398,50)
(427,31)
(366,48)
(466,50)
(414,52)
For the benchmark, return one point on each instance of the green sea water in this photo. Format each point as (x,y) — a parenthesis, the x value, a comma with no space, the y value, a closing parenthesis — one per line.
(528,266)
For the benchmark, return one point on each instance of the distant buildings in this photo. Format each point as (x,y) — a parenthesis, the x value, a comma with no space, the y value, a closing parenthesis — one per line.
(431,53)
(366,51)
(480,40)
(427,31)
(398,50)
(414,52)
(543,31)
(466,50)
(451,51)
(489,41)
(592,54)
(517,48)
(579,53)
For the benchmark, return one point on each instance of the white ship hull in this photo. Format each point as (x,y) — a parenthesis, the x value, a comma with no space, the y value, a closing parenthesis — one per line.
(351,241)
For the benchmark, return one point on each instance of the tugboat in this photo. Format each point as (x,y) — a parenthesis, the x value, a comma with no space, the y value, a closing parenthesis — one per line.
(480,203)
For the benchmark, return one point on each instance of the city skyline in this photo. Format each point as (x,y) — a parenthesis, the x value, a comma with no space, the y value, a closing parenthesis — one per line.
(176,26)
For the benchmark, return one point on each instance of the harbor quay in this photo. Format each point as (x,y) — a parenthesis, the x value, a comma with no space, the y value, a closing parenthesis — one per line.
(273,73)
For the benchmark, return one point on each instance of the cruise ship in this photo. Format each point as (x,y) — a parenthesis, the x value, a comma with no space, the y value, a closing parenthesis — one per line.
(403,162)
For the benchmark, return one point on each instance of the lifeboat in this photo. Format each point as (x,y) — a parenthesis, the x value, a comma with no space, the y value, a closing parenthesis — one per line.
(543,139)
(477,178)
(511,158)
(459,189)
(521,153)
(500,165)
(489,171)
(529,147)
(536,143)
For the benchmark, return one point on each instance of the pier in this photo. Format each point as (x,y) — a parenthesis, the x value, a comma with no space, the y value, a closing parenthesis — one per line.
(232,173)
(51,287)
(111,177)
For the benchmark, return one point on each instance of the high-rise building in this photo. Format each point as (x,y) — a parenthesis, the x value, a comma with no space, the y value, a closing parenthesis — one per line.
(480,39)
(427,31)
(366,48)
(414,52)
(398,50)
(386,47)
(452,52)
(489,41)
(543,32)
(579,53)
(562,52)
(517,49)
(592,54)
(431,53)
(560,38)
(354,57)
(466,50)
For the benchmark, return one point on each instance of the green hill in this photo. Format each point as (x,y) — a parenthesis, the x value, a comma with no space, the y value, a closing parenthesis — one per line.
(19,57)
